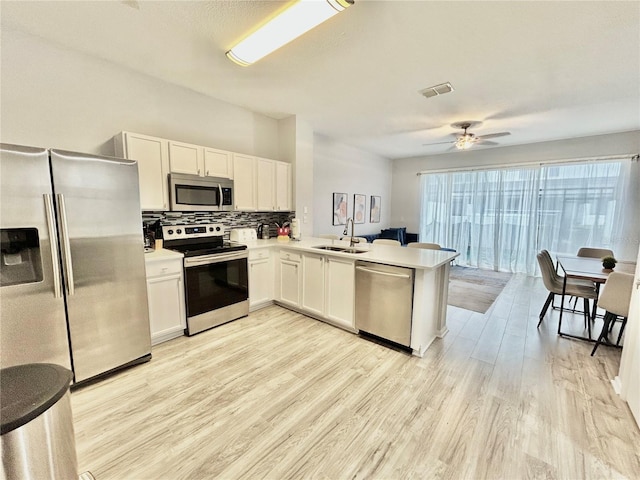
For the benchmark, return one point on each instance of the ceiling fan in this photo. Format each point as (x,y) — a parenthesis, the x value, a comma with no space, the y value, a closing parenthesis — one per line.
(467,139)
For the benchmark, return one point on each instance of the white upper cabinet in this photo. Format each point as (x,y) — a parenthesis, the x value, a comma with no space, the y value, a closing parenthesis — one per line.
(152,155)
(218,163)
(186,158)
(244,183)
(266,184)
(260,184)
(283,187)
(273,185)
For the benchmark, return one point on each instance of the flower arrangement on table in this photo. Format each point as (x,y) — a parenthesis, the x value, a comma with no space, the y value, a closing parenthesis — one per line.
(609,263)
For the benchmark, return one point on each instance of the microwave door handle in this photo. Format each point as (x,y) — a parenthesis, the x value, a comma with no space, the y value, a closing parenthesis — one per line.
(66,246)
(220,199)
(55,260)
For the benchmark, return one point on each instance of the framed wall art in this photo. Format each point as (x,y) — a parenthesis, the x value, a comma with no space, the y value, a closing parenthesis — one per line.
(359,208)
(374,209)
(340,205)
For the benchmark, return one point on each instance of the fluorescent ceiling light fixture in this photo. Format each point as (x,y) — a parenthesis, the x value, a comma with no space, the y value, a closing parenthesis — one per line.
(297,19)
(437,90)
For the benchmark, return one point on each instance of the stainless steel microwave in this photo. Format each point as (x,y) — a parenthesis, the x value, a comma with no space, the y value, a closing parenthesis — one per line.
(193,193)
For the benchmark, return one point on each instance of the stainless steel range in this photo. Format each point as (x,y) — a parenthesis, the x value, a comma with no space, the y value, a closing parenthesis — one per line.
(215,271)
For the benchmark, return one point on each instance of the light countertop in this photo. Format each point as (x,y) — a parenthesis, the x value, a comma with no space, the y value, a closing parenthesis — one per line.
(387,254)
(161,254)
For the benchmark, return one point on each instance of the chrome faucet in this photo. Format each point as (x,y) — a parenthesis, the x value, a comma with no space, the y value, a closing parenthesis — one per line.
(353,241)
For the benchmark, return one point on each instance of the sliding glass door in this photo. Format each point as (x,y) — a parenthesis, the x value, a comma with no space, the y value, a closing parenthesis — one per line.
(499,219)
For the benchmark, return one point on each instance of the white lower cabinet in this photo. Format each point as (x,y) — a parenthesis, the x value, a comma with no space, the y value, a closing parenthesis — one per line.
(165,291)
(327,288)
(260,278)
(288,278)
(313,283)
(340,278)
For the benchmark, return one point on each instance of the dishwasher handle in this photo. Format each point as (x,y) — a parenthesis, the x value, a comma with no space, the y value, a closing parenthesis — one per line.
(380,272)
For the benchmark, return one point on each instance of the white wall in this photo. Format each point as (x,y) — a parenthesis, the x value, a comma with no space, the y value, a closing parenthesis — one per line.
(345,169)
(55,97)
(628,379)
(405,202)
(296,147)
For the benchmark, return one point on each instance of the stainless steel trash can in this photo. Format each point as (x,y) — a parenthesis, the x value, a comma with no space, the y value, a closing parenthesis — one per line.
(36,423)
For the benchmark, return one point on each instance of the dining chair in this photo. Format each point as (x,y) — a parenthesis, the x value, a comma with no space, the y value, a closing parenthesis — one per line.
(427,246)
(614,299)
(554,282)
(329,236)
(361,239)
(386,241)
(594,252)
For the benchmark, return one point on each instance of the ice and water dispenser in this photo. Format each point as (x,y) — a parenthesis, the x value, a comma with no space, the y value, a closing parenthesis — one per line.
(20,256)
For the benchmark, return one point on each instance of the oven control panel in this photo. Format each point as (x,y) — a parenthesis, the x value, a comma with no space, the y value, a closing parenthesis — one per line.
(202,230)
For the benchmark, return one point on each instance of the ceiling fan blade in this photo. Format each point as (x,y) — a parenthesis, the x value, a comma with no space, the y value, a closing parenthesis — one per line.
(437,143)
(494,135)
(487,142)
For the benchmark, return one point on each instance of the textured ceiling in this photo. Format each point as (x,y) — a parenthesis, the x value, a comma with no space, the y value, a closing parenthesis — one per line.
(541,70)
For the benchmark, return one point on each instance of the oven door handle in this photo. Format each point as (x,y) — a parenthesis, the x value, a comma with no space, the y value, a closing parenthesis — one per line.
(217,258)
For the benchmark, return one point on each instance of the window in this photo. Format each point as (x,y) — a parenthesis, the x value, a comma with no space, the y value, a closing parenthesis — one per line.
(499,219)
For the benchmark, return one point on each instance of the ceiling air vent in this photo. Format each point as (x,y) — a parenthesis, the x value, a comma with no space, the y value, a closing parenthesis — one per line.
(436,90)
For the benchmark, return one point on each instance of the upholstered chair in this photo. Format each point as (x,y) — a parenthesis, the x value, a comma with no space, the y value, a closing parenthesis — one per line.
(554,282)
(614,299)
(386,241)
(427,246)
(594,252)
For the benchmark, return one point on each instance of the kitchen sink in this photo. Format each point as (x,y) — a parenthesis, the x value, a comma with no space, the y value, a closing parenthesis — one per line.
(334,248)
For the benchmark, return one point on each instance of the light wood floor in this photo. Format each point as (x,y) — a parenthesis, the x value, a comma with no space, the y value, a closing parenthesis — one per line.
(280,395)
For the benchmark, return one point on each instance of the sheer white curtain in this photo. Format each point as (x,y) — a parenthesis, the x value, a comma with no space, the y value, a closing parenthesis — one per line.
(499,219)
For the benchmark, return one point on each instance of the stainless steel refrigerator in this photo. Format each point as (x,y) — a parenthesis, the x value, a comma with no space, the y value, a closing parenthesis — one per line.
(72,278)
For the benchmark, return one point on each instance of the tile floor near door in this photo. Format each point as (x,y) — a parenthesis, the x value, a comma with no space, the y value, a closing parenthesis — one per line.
(280,395)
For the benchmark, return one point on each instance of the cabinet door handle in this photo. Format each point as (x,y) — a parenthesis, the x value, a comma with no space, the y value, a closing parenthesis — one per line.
(198,172)
(206,173)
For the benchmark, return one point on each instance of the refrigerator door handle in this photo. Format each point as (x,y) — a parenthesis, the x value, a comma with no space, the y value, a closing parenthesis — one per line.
(55,260)
(66,247)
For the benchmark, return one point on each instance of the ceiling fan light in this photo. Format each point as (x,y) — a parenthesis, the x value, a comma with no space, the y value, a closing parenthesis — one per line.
(465,142)
(296,20)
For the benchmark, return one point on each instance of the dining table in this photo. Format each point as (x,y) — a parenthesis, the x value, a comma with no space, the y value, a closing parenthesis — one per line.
(587,268)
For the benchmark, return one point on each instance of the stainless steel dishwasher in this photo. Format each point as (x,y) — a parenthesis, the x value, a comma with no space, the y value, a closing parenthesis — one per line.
(384,301)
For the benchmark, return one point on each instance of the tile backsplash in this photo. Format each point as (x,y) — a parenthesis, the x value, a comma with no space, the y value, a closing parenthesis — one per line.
(228,219)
